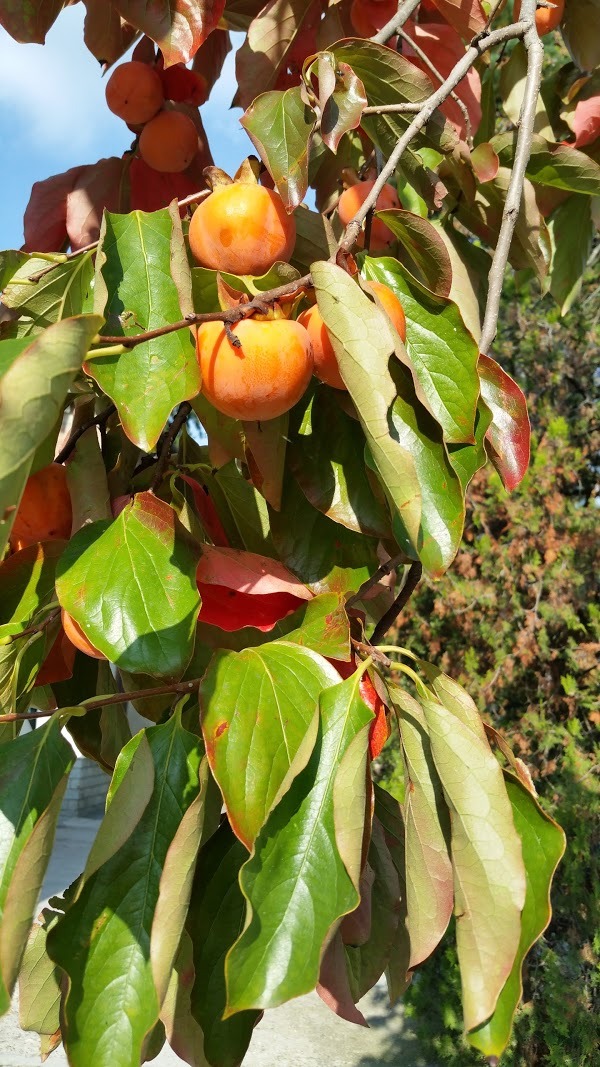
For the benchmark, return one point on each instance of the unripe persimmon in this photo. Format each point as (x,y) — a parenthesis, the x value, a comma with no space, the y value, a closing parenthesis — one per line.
(242,229)
(169,142)
(546,18)
(261,379)
(370,16)
(352,200)
(44,513)
(77,637)
(134,92)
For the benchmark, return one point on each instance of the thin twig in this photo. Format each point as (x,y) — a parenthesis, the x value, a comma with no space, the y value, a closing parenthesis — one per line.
(381,572)
(440,77)
(36,629)
(98,420)
(412,580)
(183,411)
(479,45)
(94,704)
(402,15)
(535,57)
(385,109)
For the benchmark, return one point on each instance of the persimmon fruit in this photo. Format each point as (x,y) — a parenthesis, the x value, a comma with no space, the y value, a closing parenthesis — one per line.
(242,229)
(184,85)
(134,92)
(169,142)
(77,637)
(261,379)
(44,513)
(352,200)
(392,307)
(546,18)
(370,16)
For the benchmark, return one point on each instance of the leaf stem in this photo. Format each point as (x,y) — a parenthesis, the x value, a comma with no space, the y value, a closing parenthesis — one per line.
(95,703)
(183,412)
(98,420)
(412,580)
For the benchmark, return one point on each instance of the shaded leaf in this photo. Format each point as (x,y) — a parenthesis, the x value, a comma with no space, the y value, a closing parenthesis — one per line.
(271,35)
(33,777)
(443,354)
(444,48)
(468,459)
(303,874)
(468,18)
(571,231)
(509,434)
(259,711)
(264,451)
(280,125)
(180,1027)
(29,23)
(119,938)
(424,248)
(248,509)
(26,581)
(483,217)
(314,238)
(489,876)
(366,963)
(102,186)
(390,816)
(584,46)
(105,33)
(32,392)
(216,914)
(558,165)
(429,888)
(64,292)
(326,458)
(543,844)
(108,563)
(210,57)
(344,107)
(333,986)
(45,219)
(135,291)
(470,268)
(177,27)
(39,981)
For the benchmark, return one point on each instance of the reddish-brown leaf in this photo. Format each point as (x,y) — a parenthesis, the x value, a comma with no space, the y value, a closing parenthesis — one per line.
(105,33)
(508,438)
(270,44)
(467,16)
(247,572)
(58,665)
(333,986)
(45,221)
(151,190)
(485,162)
(231,610)
(586,121)
(102,185)
(443,47)
(209,59)
(29,23)
(178,26)
(207,512)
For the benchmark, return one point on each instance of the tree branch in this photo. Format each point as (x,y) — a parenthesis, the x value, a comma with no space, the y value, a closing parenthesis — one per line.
(69,445)
(412,580)
(36,629)
(405,10)
(381,572)
(183,411)
(479,45)
(440,77)
(96,703)
(535,56)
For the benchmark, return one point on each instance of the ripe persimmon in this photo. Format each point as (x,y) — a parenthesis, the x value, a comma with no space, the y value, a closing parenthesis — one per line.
(184,85)
(134,92)
(169,142)
(352,200)
(261,379)
(242,229)
(77,637)
(370,16)
(546,18)
(392,307)
(44,513)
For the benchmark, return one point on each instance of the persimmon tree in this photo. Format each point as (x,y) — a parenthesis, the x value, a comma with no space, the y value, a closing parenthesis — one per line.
(194,523)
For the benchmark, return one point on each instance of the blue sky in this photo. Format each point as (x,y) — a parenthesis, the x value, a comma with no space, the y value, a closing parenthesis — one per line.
(53,116)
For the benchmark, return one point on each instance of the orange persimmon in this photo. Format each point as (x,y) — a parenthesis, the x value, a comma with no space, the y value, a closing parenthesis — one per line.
(242,229)
(352,200)
(169,142)
(44,513)
(77,637)
(134,92)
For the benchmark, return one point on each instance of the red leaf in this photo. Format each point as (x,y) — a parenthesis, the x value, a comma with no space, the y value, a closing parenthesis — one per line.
(485,162)
(29,23)
(231,610)
(467,16)
(58,665)
(101,185)
(380,730)
(443,47)
(247,572)
(207,511)
(183,85)
(210,57)
(586,121)
(151,190)
(508,438)
(333,986)
(178,26)
(45,221)
(105,33)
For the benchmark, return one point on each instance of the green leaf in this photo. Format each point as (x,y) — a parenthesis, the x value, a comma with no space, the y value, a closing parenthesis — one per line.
(425,253)
(118,941)
(558,165)
(323,554)
(64,291)
(314,238)
(578,30)
(389,813)
(468,459)
(11,261)
(32,393)
(489,875)
(280,125)
(216,914)
(26,582)
(571,233)
(20,661)
(323,626)
(303,874)
(39,980)
(441,350)
(135,291)
(543,844)
(342,108)
(470,269)
(429,888)
(248,510)
(33,777)
(259,711)
(366,963)
(363,343)
(326,458)
(103,582)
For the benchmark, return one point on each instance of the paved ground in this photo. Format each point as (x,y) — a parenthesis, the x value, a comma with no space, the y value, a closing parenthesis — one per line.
(302,1033)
